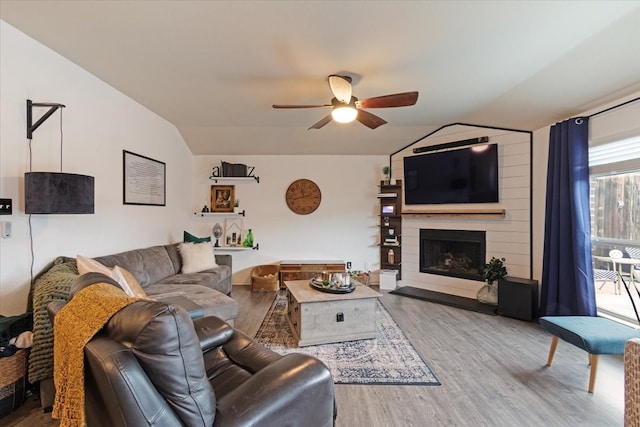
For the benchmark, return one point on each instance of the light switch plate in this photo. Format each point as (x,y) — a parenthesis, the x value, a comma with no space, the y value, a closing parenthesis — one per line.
(5,229)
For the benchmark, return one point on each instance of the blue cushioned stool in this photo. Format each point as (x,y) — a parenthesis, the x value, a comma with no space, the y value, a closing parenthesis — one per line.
(595,335)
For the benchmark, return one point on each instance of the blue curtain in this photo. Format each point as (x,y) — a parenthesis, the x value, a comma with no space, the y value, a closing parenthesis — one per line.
(567,272)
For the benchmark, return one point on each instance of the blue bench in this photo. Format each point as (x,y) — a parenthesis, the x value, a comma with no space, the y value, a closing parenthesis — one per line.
(595,335)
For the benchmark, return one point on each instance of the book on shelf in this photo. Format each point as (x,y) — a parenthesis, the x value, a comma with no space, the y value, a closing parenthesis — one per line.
(382,195)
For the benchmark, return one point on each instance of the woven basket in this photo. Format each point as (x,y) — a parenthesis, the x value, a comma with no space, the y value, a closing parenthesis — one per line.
(265,278)
(13,372)
(632,383)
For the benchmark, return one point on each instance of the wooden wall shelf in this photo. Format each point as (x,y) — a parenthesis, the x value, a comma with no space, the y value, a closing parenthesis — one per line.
(454,213)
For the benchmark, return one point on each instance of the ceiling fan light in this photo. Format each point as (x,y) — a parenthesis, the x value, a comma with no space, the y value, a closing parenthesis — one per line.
(344,114)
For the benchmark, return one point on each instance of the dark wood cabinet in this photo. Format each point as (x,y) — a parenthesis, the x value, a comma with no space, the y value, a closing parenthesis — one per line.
(390,197)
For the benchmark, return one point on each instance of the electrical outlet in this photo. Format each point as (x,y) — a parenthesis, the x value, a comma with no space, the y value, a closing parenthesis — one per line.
(340,317)
(5,206)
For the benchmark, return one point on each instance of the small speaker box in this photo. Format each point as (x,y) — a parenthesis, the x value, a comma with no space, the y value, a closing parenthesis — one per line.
(518,298)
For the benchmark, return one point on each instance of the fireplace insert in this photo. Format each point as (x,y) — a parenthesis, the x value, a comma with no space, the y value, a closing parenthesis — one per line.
(455,253)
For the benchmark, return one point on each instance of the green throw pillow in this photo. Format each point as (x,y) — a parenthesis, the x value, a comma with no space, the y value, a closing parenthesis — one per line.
(190,238)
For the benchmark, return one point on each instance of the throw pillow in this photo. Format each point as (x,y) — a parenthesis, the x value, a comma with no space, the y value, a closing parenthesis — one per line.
(190,238)
(88,265)
(133,287)
(197,257)
(125,279)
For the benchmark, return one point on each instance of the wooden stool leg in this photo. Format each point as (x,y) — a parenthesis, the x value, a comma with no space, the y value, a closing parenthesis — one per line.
(552,350)
(592,375)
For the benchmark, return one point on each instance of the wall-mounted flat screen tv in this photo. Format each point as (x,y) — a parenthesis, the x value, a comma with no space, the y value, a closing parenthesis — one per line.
(467,175)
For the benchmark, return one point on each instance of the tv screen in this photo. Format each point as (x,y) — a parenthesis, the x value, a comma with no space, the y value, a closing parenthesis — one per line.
(467,175)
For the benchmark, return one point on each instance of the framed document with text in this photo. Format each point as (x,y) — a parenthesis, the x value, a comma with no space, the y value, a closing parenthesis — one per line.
(144,180)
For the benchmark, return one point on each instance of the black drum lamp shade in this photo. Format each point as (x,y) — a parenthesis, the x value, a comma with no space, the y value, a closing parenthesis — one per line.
(58,193)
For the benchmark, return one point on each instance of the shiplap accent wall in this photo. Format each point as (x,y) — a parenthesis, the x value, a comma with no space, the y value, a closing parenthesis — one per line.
(507,237)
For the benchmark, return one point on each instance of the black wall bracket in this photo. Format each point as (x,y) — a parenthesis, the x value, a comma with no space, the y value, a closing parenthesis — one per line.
(31,127)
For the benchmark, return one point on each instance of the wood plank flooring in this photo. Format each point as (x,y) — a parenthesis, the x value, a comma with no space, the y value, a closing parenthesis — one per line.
(492,370)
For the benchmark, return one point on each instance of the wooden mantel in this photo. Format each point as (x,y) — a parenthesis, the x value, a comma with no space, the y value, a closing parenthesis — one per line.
(454,213)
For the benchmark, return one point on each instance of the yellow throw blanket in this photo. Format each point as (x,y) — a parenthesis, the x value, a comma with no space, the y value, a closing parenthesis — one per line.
(74,325)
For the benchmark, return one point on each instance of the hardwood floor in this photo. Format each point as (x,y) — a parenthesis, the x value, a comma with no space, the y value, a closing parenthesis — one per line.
(492,371)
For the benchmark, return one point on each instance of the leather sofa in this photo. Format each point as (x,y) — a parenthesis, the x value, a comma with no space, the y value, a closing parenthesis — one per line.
(156,268)
(153,365)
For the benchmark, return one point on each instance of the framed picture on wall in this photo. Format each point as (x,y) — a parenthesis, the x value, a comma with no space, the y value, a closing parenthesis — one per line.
(222,197)
(144,180)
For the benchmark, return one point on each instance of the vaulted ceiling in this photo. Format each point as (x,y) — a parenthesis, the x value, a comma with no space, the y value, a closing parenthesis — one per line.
(214,68)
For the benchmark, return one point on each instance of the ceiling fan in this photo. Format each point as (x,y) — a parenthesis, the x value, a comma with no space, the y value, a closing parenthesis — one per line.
(346,108)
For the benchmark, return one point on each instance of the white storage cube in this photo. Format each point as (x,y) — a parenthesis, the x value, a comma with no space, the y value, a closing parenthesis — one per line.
(388,279)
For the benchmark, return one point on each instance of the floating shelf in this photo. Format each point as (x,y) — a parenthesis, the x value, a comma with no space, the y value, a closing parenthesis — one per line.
(455,213)
(236,248)
(235,179)
(222,214)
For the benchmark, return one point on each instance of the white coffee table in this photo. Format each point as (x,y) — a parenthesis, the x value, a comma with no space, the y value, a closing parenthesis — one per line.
(317,317)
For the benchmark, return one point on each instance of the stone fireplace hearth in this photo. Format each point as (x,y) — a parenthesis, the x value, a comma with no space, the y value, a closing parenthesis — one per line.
(454,253)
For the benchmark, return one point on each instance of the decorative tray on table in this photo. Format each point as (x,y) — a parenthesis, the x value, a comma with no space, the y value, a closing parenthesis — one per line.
(331,287)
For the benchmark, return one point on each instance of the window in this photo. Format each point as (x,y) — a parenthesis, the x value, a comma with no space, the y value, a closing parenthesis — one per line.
(615,191)
(615,222)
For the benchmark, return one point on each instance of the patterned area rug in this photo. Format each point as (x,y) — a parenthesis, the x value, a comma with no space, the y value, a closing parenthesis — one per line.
(388,359)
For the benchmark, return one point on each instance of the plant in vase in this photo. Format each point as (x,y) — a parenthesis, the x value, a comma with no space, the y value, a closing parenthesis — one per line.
(385,171)
(491,272)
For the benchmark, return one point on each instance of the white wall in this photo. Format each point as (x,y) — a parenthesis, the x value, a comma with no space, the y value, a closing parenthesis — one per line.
(507,237)
(344,227)
(98,123)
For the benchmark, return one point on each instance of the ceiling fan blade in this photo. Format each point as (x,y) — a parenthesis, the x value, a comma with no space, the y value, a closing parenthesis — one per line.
(370,120)
(341,87)
(321,123)
(396,100)
(299,106)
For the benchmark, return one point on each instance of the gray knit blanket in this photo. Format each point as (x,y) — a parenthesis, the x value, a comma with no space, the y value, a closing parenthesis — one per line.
(54,284)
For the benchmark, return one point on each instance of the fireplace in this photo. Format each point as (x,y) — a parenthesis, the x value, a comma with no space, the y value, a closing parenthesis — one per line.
(455,253)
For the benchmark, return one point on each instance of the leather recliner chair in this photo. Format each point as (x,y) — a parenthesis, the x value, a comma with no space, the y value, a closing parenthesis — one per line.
(153,365)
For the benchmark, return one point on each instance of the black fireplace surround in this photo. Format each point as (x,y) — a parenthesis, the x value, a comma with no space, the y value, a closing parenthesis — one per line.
(455,253)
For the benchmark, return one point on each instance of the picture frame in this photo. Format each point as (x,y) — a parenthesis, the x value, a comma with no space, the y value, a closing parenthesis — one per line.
(222,198)
(388,209)
(232,232)
(144,180)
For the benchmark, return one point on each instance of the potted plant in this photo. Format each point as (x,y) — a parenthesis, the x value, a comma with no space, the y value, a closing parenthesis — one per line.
(491,273)
(385,171)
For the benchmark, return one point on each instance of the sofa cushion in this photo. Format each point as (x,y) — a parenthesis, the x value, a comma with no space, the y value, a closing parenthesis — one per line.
(174,363)
(197,257)
(147,265)
(190,238)
(213,303)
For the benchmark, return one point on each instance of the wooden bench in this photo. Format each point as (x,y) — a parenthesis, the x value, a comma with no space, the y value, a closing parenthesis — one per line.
(595,335)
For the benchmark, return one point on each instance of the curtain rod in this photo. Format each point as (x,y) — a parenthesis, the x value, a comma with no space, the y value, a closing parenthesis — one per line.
(614,107)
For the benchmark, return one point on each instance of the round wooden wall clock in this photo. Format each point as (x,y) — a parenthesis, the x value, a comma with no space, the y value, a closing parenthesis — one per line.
(303,196)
